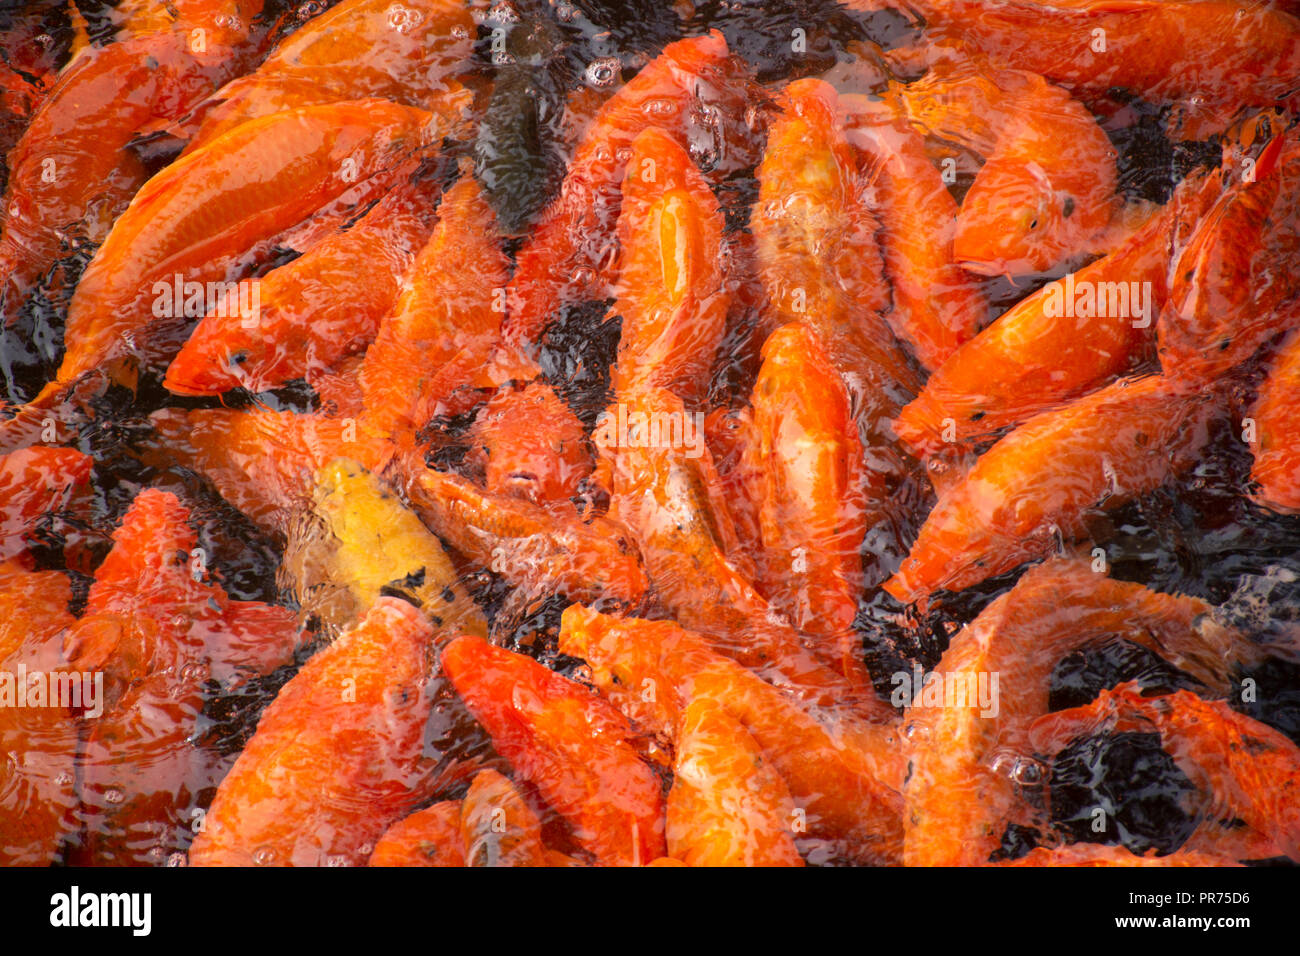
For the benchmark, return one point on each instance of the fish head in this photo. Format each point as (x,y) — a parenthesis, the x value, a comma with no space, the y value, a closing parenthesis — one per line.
(1011,221)
(222,354)
(531,445)
(715,116)
(620,659)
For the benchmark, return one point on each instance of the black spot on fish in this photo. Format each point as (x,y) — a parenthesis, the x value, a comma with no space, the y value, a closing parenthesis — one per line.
(396,592)
(411,581)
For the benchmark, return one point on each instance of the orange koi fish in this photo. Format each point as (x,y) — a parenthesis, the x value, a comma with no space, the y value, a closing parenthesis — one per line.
(671,502)
(1048,181)
(531,446)
(728,805)
(844,774)
(1277,451)
(967,760)
(815,498)
(533,548)
(1098,451)
(344,742)
(692,92)
(151,587)
(568,743)
(158,632)
(360,49)
(1063,341)
(936,305)
(670,289)
(315,310)
(446,321)
(39,739)
(430,837)
(817,252)
(201,218)
(1228,283)
(1212,58)
(1249,769)
(72,173)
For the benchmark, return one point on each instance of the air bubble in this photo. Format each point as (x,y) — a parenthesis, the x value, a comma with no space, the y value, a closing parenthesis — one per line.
(659,107)
(193,672)
(504,13)
(1027,772)
(403,19)
(525,701)
(602,72)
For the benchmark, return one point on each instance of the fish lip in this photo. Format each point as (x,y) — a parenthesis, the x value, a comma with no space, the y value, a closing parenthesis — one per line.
(189,391)
(981,267)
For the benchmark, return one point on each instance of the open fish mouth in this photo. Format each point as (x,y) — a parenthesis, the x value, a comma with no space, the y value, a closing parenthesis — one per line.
(984,267)
(178,387)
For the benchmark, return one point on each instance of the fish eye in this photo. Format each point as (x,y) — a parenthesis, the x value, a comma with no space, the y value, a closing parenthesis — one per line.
(1067,208)
(238,358)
